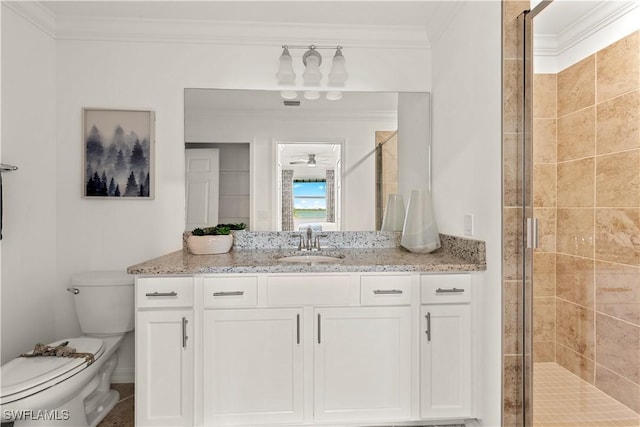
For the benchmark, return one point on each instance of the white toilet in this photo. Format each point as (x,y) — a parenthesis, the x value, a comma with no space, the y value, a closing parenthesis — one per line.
(63,391)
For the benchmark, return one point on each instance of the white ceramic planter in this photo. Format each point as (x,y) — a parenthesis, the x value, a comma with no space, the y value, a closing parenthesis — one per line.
(209,245)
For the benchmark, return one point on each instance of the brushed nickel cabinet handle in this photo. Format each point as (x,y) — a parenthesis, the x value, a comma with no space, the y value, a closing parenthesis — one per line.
(319,328)
(387,292)
(228,294)
(448,291)
(184,332)
(428,331)
(297,328)
(162,294)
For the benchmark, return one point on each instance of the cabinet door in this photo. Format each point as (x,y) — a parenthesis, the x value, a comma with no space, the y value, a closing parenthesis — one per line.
(252,365)
(445,382)
(164,368)
(362,364)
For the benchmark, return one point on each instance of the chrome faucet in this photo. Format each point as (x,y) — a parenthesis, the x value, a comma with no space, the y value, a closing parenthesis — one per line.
(309,237)
(309,244)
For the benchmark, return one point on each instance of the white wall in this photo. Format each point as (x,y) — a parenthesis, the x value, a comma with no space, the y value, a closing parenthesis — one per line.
(358,161)
(28,141)
(467,161)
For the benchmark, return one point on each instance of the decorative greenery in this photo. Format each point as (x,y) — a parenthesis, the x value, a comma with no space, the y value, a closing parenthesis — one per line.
(218,230)
(238,226)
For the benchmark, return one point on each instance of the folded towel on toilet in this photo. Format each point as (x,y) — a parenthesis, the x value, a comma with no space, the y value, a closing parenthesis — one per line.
(61,350)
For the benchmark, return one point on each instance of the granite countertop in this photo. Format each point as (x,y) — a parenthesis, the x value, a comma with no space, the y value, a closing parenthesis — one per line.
(456,254)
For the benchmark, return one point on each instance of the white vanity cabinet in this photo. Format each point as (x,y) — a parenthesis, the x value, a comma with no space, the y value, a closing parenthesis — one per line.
(252,362)
(362,355)
(164,351)
(445,347)
(348,349)
(252,367)
(362,364)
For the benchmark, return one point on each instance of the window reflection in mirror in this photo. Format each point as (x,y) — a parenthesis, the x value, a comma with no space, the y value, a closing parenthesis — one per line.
(310,186)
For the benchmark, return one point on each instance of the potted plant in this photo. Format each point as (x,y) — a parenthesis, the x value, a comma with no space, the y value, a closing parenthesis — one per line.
(212,240)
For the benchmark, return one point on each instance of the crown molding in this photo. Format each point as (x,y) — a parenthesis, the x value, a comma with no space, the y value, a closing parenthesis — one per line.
(238,33)
(546,45)
(35,13)
(446,12)
(94,28)
(593,22)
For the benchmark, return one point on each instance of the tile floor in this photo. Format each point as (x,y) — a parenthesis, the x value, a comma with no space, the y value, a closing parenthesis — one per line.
(561,399)
(122,414)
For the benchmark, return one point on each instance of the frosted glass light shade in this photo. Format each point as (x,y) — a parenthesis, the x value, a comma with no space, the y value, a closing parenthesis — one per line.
(334,95)
(420,232)
(288,94)
(338,74)
(285,74)
(312,74)
(311,94)
(393,218)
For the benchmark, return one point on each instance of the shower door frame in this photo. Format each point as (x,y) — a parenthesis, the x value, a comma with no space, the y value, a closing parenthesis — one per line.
(529,241)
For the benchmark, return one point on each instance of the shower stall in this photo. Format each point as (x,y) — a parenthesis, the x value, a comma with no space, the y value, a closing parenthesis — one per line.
(572,215)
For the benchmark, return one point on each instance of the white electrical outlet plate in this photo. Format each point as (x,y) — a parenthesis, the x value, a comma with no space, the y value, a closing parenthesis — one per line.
(468,225)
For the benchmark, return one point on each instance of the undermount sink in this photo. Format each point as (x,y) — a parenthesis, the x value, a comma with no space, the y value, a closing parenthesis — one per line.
(311,259)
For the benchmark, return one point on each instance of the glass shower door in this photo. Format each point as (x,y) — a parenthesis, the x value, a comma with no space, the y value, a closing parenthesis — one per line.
(529,227)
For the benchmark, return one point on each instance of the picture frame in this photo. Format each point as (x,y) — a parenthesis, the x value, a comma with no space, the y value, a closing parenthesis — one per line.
(118,154)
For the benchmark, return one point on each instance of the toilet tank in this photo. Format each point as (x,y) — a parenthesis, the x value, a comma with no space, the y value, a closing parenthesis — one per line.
(104,301)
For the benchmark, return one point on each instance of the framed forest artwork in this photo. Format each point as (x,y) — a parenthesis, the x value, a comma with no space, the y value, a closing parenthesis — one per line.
(118,153)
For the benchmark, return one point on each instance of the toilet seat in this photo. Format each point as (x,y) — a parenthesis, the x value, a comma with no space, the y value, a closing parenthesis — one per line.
(25,376)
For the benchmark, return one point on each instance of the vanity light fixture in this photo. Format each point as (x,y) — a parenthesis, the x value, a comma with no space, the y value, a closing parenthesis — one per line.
(312,76)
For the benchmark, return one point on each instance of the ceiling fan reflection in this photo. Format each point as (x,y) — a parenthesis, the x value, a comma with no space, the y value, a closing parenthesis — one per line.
(310,162)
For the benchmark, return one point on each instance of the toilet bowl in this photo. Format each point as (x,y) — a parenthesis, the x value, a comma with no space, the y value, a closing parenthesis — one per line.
(63,391)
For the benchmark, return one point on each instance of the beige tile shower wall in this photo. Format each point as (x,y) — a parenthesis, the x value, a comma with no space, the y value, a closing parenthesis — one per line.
(389,164)
(545,201)
(597,261)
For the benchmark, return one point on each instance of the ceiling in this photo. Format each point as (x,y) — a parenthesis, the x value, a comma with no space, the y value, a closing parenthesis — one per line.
(314,12)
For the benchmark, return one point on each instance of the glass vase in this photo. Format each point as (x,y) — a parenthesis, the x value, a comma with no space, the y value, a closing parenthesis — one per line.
(393,218)
(420,232)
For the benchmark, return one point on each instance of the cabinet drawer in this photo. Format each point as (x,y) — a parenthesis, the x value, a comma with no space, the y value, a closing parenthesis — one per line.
(230,291)
(308,290)
(385,290)
(445,288)
(164,292)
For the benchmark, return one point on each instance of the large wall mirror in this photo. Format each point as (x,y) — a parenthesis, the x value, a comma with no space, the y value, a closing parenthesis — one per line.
(281,165)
